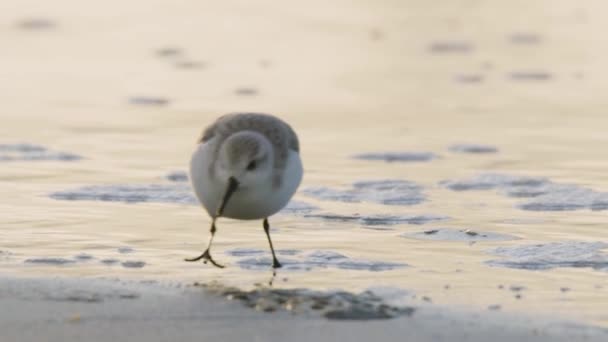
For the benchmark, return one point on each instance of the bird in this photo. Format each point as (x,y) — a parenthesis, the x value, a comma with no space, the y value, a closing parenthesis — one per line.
(246,166)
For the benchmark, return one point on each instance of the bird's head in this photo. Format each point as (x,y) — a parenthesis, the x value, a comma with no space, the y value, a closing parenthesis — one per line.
(245,161)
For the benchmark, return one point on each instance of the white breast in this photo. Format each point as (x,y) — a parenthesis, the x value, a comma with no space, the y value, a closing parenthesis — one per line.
(253,203)
(208,193)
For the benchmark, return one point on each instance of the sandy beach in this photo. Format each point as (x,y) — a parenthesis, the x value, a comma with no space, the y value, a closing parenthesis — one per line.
(56,309)
(454,185)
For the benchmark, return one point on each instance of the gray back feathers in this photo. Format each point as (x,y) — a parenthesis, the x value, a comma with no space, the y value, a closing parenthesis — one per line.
(276,130)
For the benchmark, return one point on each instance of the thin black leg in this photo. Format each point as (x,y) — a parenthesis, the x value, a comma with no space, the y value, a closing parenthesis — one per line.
(207,254)
(275,261)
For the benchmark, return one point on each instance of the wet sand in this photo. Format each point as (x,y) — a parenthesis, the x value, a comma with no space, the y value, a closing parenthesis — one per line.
(55,309)
(453,151)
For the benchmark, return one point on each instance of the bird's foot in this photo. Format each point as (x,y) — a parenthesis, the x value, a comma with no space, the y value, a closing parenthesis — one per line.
(206,256)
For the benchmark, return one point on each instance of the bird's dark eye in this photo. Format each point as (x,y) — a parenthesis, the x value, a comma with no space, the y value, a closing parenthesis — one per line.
(251,166)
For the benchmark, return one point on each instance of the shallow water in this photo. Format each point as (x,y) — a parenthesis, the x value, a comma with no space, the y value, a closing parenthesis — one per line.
(99,120)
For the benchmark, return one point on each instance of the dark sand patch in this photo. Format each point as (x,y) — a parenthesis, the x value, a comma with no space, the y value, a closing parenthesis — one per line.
(133,264)
(265,63)
(177,176)
(109,262)
(169,52)
(451,47)
(376,34)
(57,261)
(5,255)
(516,288)
(36,24)
(391,157)
(525,38)
(469,78)
(22,148)
(473,148)
(333,305)
(84,257)
(125,250)
(50,261)
(246,91)
(530,76)
(148,101)
(32,152)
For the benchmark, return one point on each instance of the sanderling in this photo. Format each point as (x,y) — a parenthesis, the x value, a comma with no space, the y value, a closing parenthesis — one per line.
(246,166)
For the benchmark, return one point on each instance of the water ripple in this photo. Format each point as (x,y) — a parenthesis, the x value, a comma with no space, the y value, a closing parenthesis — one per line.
(176,192)
(315,259)
(32,152)
(553,255)
(388,192)
(541,193)
(448,234)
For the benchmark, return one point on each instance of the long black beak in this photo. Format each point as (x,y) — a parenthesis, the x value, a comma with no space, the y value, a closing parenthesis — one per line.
(232,185)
